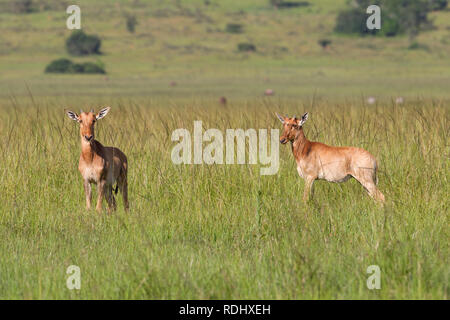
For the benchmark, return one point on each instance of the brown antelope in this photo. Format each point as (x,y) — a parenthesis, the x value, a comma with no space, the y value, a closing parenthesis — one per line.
(316,160)
(100,165)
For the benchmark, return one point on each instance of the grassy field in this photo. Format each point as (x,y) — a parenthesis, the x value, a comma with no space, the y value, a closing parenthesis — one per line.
(223,231)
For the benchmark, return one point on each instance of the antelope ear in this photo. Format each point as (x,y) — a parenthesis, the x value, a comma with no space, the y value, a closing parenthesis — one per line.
(303,119)
(72,115)
(280,117)
(102,113)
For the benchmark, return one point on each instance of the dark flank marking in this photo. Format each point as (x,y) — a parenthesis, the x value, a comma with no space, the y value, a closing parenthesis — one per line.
(307,149)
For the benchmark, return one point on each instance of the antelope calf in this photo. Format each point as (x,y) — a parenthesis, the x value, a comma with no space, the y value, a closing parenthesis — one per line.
(316,160)
(100,165)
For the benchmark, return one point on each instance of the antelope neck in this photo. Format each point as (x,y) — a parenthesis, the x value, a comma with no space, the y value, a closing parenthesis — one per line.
(87,149)
(299,142)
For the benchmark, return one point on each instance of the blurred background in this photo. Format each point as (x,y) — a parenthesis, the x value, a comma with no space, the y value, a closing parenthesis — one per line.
(225,50)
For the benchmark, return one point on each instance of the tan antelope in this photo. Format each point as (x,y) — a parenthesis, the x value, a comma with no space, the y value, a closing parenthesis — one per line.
(100,165)
(316,160)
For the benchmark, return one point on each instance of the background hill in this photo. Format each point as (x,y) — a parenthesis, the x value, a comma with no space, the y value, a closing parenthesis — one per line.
(186,42)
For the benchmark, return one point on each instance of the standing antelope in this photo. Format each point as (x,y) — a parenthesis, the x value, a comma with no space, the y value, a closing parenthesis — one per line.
(316,160)
(100,165)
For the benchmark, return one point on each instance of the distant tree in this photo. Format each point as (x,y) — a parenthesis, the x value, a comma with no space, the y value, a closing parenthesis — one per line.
(398,16)
(246,47)
(22,6)
(390,27)
(412,15)
(324,43)
(90,67)
(75,68)
(67,66)
(282,4)
(59,66)
(351,21)
(79,44)
(438,4)
(44,5)
(275,3)
(233,28)
(30,6)
(131,22)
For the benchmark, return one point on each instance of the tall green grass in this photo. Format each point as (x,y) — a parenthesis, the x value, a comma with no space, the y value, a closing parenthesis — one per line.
(224,231)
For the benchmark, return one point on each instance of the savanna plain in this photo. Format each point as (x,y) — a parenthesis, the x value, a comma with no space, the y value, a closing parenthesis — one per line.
(223,231)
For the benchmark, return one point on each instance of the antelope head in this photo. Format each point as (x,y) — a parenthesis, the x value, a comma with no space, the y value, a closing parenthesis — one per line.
(87,122)
(291,126)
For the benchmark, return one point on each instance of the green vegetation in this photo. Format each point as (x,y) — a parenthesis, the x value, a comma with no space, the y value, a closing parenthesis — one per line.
(21,6)
(438,4)
(90,67)
(60,66)
(131,22)
(352,21)
(282,4)
(246,47)
(324,43)
(31,6)
(81,44)
(399,16)
(67,66)
(234,28)
(199,231)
